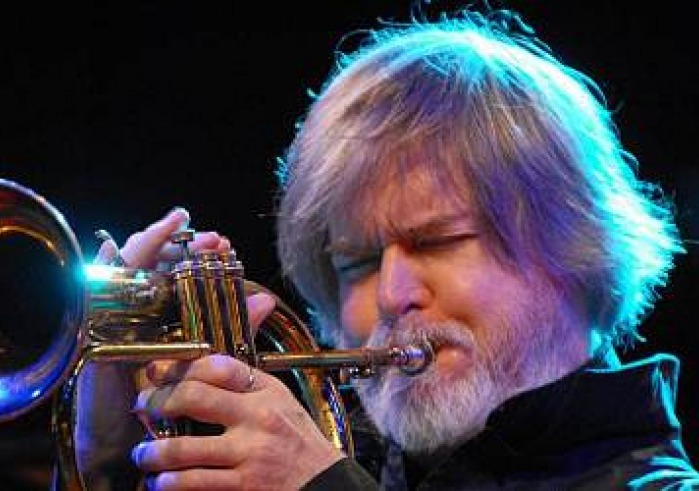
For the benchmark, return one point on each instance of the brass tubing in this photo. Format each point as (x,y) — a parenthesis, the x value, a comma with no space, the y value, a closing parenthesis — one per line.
(147,351)
(411,359)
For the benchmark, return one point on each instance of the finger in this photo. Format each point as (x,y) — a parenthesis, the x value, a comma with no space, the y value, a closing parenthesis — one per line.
(141,249)
(196,479)
(183,452)
(199,401)
(192,399)
(218,370)
(260,306)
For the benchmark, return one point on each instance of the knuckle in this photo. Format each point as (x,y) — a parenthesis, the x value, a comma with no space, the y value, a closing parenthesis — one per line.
(270,420)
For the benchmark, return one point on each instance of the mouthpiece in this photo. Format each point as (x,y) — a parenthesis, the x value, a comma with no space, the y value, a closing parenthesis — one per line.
(413,359)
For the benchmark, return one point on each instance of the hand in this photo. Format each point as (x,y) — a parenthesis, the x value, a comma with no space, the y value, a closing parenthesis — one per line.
(269,440)
(105,431)
(147,248)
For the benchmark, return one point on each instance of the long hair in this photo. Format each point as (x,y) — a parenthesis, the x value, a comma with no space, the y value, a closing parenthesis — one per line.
(496,116)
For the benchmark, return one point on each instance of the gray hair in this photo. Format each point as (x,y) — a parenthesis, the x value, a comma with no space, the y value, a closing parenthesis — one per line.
(498,116)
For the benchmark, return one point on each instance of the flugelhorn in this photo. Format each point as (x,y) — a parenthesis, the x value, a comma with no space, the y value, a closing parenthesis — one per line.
(113,313)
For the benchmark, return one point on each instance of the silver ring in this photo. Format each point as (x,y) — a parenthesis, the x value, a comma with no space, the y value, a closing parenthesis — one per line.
(250,385)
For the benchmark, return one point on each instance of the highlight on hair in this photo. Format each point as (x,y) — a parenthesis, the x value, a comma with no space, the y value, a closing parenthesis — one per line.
(499,117)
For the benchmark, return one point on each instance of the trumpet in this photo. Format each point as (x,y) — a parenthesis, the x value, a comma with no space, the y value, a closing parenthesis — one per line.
(114,313)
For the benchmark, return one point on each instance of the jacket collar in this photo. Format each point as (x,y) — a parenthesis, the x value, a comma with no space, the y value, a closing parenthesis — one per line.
(597,411)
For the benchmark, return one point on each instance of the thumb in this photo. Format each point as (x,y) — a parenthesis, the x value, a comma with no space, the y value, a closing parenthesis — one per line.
(260,306)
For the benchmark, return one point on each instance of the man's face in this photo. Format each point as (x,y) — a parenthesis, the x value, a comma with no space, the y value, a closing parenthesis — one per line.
(421,267)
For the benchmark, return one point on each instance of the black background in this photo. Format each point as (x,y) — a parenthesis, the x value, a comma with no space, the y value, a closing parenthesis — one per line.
(117,111)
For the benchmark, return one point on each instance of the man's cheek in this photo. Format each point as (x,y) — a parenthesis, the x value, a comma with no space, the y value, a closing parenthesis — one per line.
(358,318)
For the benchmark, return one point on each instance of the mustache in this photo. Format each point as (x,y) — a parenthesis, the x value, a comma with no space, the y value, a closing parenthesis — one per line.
(412,329)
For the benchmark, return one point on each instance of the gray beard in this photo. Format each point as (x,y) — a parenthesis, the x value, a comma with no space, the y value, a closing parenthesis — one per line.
(429,411)
(426,412)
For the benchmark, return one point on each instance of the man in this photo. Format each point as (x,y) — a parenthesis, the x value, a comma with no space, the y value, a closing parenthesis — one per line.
(455,183)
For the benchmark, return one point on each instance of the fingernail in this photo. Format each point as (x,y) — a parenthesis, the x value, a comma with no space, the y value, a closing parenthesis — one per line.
(150,481)
(137,454)
(179,212)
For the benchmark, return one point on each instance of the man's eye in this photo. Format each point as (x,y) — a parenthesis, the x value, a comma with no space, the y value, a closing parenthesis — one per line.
(440,241)
(357,268)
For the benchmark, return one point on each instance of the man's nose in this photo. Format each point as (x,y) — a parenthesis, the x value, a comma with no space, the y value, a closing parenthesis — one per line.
(402,285)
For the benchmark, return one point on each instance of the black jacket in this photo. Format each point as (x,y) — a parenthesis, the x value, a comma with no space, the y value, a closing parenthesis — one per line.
(599,428)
